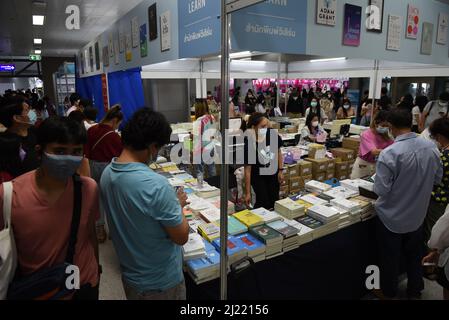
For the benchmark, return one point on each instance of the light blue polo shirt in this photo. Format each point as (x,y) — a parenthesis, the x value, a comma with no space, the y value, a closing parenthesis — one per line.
(139,203)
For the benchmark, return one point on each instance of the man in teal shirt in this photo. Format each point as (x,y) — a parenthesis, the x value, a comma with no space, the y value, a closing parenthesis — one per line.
(144,213)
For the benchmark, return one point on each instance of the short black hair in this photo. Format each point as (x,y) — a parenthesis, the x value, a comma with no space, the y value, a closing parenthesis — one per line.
(91,113)
(441,127)
(444,96)
(381,116)
(61,130)
(77,116)
(74,97)
(400,119)
(255,120)
(145,128)
(10,110)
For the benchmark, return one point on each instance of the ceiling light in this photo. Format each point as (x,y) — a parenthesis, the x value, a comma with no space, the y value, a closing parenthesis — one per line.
(38,20)
(329,59)
(37,41)
(38,51)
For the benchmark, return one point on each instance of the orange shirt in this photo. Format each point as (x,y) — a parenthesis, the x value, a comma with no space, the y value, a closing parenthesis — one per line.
(42,230)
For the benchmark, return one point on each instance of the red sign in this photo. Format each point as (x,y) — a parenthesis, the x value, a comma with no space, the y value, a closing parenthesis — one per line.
(104,86)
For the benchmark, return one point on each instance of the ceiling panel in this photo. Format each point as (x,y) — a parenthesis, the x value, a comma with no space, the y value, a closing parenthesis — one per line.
(17,31)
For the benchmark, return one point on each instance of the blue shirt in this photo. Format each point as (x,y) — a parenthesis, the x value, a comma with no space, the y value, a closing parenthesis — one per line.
(139,203)
(406,174)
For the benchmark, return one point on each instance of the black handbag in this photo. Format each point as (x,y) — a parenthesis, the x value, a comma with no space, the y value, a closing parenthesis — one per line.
(50,283)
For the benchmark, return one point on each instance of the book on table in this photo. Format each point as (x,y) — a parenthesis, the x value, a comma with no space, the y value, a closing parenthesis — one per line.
(324,213)
(267,235)
(194,248)
(312,199)
(255,247)
(289,208)
(248,218)
(341,193)
(284,229)
(235,227)
(266,215)
(209,231)
(210,214)
(316,186)
(236,250)
(207,267)
(348,205)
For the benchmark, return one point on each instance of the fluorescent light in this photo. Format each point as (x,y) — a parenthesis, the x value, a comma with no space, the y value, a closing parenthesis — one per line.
(37,41)
(38,20)
(38,51)
(329,59)
(236,55)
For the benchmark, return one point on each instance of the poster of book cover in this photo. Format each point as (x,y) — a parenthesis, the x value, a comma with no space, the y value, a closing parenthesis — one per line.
(326,12)
(117,51)
(427,38)
(376,16)
(152,18)
(82,63)
(394,33)
(412,22)
(129,48)
(135,32)
(165,31)
(121,37)
(352,25)
(97,56)
(86,60)
(143,41)
(443,24)
(91,59)
(106,56)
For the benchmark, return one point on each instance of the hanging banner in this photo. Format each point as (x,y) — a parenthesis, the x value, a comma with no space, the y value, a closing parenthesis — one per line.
(271,26)
(104,89)
(199,27)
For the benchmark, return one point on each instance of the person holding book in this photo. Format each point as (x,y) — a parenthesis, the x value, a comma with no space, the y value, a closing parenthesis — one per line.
(263,161)
(372,142)
(145,214)
(409,167)
(312,131)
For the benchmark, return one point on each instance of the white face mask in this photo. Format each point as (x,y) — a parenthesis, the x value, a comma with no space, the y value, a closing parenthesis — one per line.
(443,104)
(315,124)
(347,106)
(263,132)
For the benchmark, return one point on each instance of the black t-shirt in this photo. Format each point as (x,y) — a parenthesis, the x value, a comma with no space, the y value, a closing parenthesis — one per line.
(262,155)
(28,143)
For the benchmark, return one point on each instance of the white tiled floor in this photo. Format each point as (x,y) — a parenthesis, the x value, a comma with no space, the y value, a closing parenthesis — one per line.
(111,285)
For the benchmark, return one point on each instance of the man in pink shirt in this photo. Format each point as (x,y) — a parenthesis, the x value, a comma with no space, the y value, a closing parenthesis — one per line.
(372,142)
(42,208)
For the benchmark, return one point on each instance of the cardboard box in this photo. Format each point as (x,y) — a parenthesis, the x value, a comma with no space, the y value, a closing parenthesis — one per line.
(295,184)
(318,165)
(306,179)
(293,171)
(275,125)
(343,175)
(317,151)
(344,154)
(341,167)
(330,174)
(331,164)
(293,129)
(320,176)
(305,168)
(351,143)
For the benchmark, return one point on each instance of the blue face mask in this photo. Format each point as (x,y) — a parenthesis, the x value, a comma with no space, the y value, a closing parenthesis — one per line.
(61,167)
(32,116)
(314,104)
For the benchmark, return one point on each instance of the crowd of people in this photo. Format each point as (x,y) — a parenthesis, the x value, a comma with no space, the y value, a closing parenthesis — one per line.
(75,163)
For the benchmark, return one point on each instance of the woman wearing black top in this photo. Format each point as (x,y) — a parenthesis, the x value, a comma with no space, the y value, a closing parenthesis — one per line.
(263,159)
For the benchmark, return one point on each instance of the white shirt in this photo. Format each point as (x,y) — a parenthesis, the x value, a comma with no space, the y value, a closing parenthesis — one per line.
(440,240)
(415,111)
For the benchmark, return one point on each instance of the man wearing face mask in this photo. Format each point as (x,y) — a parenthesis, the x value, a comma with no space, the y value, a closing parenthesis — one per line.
(372,142)
(295,105)
(406,173)
(42,208)
(435,110)
(144,212)
(17,117)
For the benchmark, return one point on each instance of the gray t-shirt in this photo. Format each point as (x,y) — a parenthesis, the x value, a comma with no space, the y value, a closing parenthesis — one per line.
(436,112)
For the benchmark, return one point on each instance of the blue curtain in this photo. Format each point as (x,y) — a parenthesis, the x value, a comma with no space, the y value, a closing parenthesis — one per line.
(126,89)
(91,88)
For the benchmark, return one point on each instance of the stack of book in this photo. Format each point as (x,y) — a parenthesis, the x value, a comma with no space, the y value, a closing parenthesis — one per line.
(271,238)
(210,214)
(194,248)
(266,215)
(216,201)
(289,209)
(305,234)
(323,213)
(255,247)
(289,233)
(319,229)
(350,206)
(236,250)
(313,200)
(206,191)
(357,183)
(248,218)
(367,210)
(341,193)
(168,167)
(316,186)
(207,268)
(235,227)
(209,231)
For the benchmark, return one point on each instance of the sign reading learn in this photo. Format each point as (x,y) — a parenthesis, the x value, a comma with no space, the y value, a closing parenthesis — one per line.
(277,26)
(199,27)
